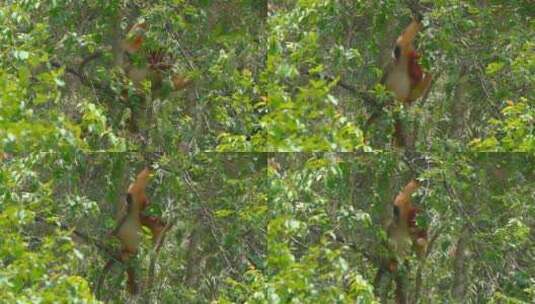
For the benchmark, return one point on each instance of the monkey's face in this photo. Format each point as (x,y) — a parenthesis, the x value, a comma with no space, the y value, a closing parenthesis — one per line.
(129,201)
(396,54)
(396,214)
(408,52)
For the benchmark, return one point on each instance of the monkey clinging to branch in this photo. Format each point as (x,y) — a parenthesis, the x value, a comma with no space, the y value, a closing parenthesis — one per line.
(137,191)
(128,229)
(404,76)
(403,229)
(404,236)
(156,61)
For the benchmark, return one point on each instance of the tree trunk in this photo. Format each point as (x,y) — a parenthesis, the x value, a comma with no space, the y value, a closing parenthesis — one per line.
(458,106)
(460,273)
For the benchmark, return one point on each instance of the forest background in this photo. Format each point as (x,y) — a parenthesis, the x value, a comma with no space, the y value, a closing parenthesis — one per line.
(252,223)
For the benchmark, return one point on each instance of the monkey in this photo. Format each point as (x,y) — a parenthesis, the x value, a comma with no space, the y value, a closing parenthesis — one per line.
(128,231)
(129,228)
(404,76)
(135,37)
(403,228)
(404,235)
(137,191)
(155,63)
(146,65)
(131,45)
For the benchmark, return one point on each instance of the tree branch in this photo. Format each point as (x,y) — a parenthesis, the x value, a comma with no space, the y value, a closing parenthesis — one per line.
(85,237)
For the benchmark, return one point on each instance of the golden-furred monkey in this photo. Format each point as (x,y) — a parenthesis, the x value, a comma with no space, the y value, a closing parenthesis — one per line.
(137,192)
(128,229)
(132,45)
(404,76)
(156,62)
(403,231)
(403,234)
(146,65)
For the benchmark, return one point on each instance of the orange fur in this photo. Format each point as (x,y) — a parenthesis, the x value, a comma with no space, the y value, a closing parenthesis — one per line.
(128,229)
(405,220)
(404,76)
(135,38)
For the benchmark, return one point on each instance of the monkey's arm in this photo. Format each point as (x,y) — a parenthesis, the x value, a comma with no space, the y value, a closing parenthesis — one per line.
(409,34)
(142,179)
(411,187)
(405,194)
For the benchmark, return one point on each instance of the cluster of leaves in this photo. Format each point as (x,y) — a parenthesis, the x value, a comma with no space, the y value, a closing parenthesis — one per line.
(288,76)
(31,116)
(515,133)
(303,113)
(223,218)
(36,266)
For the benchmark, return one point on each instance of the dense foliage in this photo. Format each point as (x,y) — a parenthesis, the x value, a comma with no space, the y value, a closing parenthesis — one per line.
(213,97)
(215,201)
(56,94)
(325,241)
(325,59)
